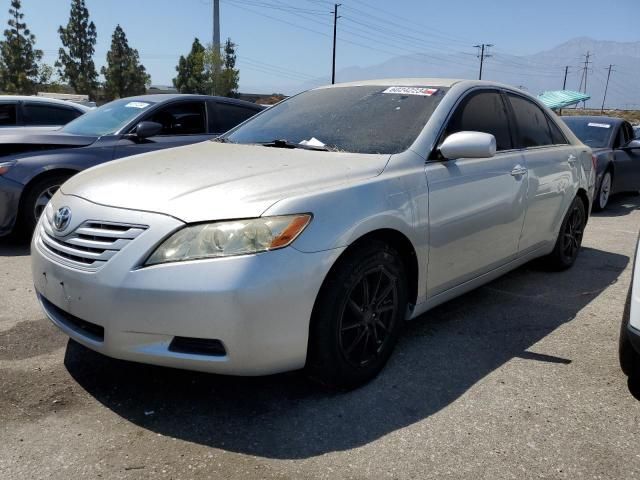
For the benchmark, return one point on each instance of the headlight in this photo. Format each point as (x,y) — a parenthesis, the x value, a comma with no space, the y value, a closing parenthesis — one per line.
(5,166)
(223,239)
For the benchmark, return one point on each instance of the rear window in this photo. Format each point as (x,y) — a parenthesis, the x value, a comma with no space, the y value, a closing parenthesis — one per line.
(595,133)
(42,115)
(359,119)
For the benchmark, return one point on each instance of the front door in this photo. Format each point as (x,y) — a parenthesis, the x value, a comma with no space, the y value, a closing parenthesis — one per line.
(476,205)
(183,123)
(627,162)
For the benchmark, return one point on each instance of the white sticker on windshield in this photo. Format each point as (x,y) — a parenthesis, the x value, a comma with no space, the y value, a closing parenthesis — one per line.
(599,125)
(422,91)
(137,105)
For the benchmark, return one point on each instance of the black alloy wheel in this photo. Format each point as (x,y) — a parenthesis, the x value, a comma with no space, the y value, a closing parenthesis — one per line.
(367,316)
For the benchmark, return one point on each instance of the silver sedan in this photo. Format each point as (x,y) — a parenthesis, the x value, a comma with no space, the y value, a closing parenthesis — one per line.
(305,237)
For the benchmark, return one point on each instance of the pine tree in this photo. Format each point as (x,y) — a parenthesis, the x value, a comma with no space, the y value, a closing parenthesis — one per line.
(220,73)
(124,75)
(18,57)
(230,75)
(191,76)
(75,60)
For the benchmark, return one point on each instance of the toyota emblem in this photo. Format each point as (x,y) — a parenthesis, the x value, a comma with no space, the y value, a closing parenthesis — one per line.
(62,218)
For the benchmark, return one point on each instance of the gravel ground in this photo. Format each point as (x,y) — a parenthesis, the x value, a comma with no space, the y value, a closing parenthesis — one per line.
(518,379)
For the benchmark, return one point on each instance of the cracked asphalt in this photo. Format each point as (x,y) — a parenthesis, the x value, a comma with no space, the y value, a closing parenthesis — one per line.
(517,379)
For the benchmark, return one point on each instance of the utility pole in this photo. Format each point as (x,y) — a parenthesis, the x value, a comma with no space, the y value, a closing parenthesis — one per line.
(216,42)
(564,84)
(216,25)
(335,30)
(605,89)
(482,55)
(585,71)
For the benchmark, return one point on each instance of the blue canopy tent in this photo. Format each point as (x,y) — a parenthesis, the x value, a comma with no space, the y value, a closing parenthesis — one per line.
(562,98)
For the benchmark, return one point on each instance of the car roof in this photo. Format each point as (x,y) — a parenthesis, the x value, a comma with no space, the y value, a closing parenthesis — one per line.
(396,82)
(164,97)
(50,101)
(595,118)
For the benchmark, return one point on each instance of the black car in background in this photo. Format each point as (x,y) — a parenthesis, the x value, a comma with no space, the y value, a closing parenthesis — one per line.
(617,154)
(34,165)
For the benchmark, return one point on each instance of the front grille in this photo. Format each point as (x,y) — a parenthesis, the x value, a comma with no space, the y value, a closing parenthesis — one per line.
(82,327)
(89,246)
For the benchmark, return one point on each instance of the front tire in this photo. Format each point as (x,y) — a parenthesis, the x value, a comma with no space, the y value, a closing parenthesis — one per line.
(569,239)
(629,358)
(604,191)
(357,317)
(36,199)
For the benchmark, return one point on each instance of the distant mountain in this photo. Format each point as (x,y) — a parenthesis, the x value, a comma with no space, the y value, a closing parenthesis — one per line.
(535,73)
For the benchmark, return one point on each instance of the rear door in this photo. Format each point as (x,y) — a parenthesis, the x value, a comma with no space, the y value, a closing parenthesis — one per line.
(229,115)
(627,161)
(183,123)
(476,205)
(552,174)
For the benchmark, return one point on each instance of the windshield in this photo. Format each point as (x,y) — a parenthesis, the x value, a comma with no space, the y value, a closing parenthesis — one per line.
(359,119)
(595,133)
(107,119)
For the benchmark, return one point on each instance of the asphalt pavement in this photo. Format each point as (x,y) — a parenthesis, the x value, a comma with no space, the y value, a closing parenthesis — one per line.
(517,379)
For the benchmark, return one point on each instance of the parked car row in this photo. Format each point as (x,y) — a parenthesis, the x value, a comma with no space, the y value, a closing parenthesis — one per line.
(33,165)
(306,236)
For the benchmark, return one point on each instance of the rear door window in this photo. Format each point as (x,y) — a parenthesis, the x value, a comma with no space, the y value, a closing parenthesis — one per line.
(230,115)
(181,118)
(557,137)
(8,116)
(483,112)
(533,127)
(47,115)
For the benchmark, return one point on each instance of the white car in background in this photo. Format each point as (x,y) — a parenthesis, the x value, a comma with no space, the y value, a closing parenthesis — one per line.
(37,113)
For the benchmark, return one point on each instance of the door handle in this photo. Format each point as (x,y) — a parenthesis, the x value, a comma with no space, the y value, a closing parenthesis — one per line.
(572,159)
(518,170)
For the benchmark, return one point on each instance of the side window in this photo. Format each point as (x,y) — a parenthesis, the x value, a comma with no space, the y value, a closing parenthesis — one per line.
(43,115)
(7,115)
(483,112)
(557,137)
(231,115)
(185,118)
(532,123)
(621,138)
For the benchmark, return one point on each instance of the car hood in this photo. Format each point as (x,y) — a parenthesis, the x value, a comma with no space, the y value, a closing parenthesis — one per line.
(37,140)
(212,181)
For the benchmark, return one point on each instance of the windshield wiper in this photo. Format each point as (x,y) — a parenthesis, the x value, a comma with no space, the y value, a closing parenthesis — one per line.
(287,144)
(222,140)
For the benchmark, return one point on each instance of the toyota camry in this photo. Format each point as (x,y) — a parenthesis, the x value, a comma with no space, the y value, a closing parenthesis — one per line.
(305,237)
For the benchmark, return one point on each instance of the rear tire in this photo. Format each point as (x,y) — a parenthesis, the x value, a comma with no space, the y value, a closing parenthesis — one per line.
(357,317)
(569,239)
(35,200)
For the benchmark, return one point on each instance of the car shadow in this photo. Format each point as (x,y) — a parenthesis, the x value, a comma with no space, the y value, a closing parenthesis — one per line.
(619,205)
(439,357)
(14,246)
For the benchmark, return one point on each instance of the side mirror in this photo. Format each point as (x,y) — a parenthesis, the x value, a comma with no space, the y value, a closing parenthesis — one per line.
(147,129)
(468,145)
(632,145)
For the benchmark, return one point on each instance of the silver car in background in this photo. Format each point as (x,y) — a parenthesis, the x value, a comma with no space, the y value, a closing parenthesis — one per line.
(306,236)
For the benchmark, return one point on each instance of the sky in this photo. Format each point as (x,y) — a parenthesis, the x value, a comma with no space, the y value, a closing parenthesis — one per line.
(282,44)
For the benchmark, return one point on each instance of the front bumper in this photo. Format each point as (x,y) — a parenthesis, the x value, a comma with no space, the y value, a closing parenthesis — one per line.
(257,306)
(10,192)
